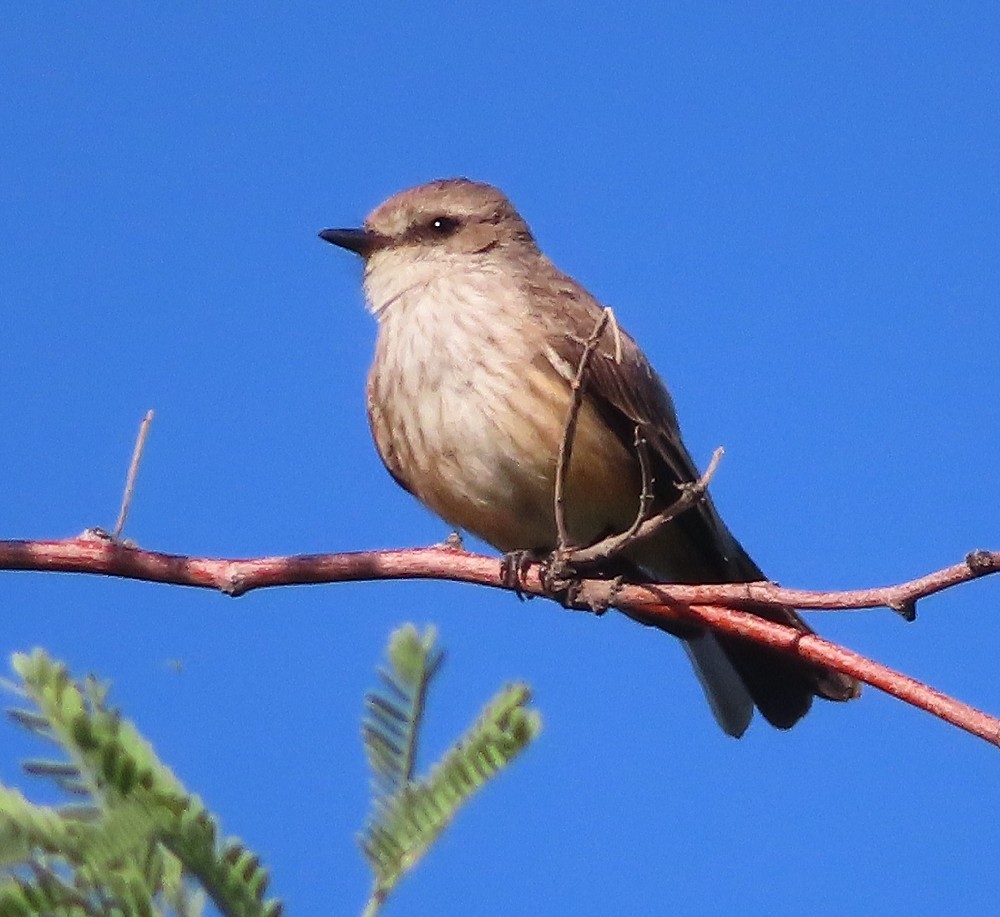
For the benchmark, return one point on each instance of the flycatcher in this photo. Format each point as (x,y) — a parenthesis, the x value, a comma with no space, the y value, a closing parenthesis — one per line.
(479,339)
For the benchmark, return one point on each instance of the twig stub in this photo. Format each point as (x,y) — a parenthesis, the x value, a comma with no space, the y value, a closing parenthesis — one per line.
(982,562)
(133,472)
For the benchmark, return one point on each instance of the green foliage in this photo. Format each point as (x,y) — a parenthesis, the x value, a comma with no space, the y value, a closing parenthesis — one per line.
(393,715)
(137,843)
(410,813)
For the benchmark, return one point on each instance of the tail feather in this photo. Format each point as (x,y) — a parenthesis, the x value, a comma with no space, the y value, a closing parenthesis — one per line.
(724,688)
(736,673)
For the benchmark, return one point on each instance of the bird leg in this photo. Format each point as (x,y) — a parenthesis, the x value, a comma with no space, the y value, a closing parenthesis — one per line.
(514,566)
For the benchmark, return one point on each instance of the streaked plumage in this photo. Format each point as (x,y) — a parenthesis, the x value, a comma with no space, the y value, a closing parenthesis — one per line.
(479,337)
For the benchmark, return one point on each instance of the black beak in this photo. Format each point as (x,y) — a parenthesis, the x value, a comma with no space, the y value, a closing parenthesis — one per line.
(360,241)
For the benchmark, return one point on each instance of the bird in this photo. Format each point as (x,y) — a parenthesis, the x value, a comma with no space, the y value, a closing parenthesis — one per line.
(480,337)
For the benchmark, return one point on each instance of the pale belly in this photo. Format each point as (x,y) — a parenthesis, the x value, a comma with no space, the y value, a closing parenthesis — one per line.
(476,439)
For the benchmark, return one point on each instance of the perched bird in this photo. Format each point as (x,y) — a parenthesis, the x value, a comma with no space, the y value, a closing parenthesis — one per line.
(479,339)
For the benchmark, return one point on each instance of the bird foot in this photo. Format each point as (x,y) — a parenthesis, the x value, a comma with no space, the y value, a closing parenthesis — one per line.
(561,580)
(514,567)
(558,578)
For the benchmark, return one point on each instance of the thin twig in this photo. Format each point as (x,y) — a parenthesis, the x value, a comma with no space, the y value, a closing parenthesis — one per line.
(577,387)
(376,899)
(646,495)
(606,548)
(133,472)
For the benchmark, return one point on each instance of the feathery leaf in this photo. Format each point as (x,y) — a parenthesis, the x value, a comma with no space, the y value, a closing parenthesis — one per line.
(391,726)
(135,846)
(409,814)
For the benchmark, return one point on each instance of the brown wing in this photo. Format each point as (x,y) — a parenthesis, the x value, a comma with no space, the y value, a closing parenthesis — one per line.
(698,548)
(627,392)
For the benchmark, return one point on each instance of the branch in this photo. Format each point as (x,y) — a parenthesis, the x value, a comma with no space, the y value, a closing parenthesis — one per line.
(715,606)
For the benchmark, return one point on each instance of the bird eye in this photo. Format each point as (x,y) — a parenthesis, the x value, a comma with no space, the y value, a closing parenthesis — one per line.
(443,226)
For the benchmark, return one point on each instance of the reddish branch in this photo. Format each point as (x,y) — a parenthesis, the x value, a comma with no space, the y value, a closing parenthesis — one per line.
(718,607)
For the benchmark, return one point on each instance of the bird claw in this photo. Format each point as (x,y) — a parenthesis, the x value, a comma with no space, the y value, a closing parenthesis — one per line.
(514,567)
(559,577)
(555,575)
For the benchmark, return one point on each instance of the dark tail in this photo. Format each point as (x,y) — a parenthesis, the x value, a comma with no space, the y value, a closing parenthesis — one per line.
(781,687)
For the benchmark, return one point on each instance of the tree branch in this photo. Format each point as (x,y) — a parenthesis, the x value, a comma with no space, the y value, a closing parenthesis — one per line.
(715,606)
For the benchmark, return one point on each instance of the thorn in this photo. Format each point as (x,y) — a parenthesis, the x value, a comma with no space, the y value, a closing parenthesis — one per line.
(453,543)
(906,610)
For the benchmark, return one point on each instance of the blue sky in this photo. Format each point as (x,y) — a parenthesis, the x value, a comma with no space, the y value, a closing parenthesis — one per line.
(794,207)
